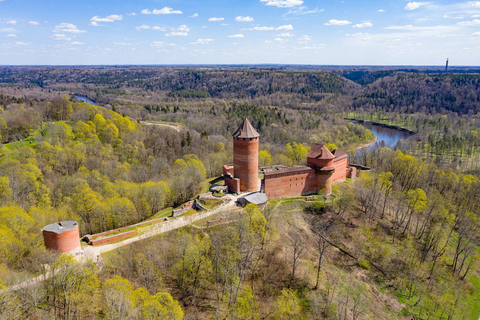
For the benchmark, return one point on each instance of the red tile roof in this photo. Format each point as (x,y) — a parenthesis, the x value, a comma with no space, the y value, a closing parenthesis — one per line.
(339,154)
(319,151)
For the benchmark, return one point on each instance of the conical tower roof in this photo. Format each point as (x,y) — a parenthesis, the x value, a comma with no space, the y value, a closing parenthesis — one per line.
(319,151)
(246,130)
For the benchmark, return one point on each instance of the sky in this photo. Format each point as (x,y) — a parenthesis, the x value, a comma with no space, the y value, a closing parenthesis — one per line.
(328,32)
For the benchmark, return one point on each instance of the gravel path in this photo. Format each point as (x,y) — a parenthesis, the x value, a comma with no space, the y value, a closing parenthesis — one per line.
(93,252)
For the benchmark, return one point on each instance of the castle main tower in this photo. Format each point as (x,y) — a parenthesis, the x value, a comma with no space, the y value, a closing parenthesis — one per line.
(245,156)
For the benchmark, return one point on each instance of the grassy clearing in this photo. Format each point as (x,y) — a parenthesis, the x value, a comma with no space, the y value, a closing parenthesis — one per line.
(208,183)
(210,203)
(167,212)
(116,232)
(473,300)
(9,148)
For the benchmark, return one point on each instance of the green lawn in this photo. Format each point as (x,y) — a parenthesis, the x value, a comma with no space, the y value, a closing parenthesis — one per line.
(167,212)
(473,300)
(8,148)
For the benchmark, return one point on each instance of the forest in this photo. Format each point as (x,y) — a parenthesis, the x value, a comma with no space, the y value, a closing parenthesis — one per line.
(401,240)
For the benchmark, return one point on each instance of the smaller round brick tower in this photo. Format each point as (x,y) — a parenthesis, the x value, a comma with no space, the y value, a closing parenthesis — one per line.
(245,156)
(321,159)
(62,236)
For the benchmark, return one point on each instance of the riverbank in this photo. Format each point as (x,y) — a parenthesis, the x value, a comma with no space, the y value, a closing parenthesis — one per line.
(366,145)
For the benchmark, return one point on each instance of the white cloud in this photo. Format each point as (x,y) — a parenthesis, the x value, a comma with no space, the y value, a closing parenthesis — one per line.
(181,31)
(216,19)
(131,14)
(33,23)
(364,36)
(476,34)
(414,5)
(162,44)
(364,24)
(224,24)
(202,41)
(236,36)
(122,44)
(304,39)
(280,28)
(437,31)
(164,10)
(176,34)
(380,10)
(282,3)
(457,17)
(76,43)
(298,11)
(194,15)
(147,27)
(68,28)
(285,35)
(111,18)
(474,4)
(60,37)
(285,27)
(8,30)
(358,34)
(12,22)
(263,28)
(474,22)
(335,22)
(20,43)
(11,35)
(142,27)
(243,19)
(319,47)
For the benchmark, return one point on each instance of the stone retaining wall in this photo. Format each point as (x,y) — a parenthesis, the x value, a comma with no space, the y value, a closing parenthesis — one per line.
(113,238)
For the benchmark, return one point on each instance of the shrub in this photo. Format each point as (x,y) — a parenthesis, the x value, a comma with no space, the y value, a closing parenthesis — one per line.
(364,264)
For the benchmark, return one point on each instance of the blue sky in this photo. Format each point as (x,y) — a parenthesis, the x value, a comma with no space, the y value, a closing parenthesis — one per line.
(329,32)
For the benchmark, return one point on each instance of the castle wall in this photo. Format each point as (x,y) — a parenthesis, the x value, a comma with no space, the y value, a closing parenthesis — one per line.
(324,181)
(66,241)
(245,158)
(285,183)
(228,169)
(233,184)
(340,173)
(320,162)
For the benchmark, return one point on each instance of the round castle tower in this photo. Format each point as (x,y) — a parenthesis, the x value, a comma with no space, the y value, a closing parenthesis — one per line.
(62,236)
(245,156)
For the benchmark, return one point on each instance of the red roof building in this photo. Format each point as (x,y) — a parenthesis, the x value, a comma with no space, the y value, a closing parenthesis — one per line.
(323,168)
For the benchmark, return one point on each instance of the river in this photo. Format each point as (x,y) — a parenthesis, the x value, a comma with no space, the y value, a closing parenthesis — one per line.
(389,136)
(85,99)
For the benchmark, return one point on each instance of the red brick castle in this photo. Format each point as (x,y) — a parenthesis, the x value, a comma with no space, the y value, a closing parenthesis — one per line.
(323,168)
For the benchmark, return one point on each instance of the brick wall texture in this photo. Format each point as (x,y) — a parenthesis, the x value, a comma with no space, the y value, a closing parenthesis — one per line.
(62,242)
(245,162)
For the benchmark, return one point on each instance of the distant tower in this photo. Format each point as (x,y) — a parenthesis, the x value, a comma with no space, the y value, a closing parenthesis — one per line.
(446,66)
(62,236)
(245,156)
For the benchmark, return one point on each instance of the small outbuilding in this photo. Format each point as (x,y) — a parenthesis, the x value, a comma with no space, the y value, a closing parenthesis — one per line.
(62,236)
(258,198)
